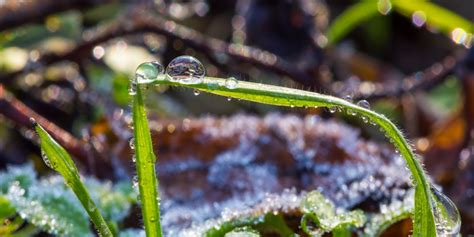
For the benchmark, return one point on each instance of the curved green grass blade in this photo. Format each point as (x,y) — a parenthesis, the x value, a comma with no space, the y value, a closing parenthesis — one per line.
(274,95)
(446,21)
(145,162)
(60,161)
(350,18)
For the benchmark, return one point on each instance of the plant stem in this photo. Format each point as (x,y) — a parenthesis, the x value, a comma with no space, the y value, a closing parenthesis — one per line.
(145,165)
(424,224)
(60,161)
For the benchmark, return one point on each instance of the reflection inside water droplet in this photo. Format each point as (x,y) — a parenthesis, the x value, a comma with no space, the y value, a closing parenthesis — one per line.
(447,218)
(185,70)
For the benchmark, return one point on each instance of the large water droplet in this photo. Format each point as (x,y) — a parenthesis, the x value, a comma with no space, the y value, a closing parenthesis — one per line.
(186,70)
(231,83)
(148,72)
(447,218)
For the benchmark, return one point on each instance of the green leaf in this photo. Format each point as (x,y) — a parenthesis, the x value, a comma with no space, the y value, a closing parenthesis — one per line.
(274,224)
(6,209)
(60,161)
(444,20)
(145,165)
(349,19)
(9,226)
(423,218)
(242,232)
(322,211)
(275,95)
(49,206)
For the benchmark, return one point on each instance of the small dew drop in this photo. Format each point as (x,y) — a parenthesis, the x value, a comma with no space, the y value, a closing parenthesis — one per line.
(148,72)
(364,104)
(231,83)
(135,183)
(212,85)
(196,92)
(134,158)
(91,206)
(33,121)
(132,89)
(229,99)
(186,70)
(131,143)
(348,98)
(447,218)
(332,109)
(365,119)
(384,6)
(46,159)
(153,219)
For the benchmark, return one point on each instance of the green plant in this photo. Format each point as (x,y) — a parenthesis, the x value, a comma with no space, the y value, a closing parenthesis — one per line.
(447,22)
(145,164)
(48,205)
(433,211)
(56,157)
(425,204)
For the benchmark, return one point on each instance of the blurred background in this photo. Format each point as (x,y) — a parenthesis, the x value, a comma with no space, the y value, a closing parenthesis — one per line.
(68,63)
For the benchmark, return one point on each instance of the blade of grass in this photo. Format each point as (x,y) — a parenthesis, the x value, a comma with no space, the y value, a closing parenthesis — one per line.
(349,19)
(145,162)
(424,224)
(443,19)
(446,21)
(60,161)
